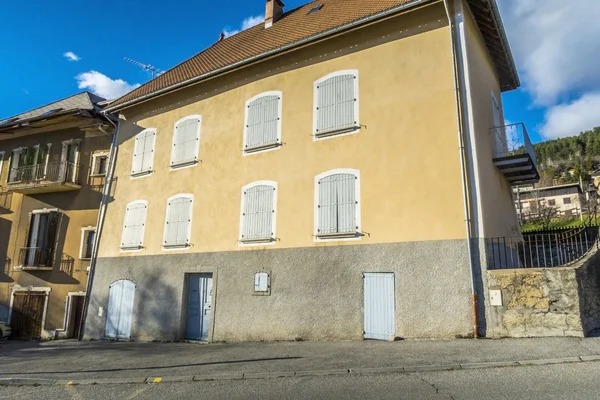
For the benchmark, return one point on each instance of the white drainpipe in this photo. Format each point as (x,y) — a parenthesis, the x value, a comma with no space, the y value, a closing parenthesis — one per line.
(460,107)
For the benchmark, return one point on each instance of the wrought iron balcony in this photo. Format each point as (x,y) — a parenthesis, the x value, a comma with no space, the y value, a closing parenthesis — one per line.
(59,176)
(514,154)
(36,258)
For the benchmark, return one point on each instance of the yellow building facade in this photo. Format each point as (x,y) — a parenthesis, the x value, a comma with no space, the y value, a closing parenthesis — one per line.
(306,223)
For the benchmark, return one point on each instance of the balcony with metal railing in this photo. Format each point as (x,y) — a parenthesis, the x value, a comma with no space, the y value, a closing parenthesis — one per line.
(59,176)
(514,154)
(36,259)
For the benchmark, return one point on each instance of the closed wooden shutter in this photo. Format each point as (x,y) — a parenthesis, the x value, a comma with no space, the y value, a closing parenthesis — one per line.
(257,216)
(143,153)
(337,204)
(133,226)
(262,122)
(186,139)
(336,99)
(179,218)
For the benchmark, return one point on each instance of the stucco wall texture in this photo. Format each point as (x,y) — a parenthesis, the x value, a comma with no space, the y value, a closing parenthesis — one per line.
(316,293)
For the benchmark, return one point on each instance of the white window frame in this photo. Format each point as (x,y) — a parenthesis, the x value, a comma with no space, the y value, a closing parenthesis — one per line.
(10,162)
(167,247)
(187,164)
(269,147)
(341,237)
(264,242)
(333,134)
(95,158)
(84,234)
(141,246)
(143,174)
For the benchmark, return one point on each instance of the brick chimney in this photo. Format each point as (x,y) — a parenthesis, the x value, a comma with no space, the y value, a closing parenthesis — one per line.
(273,12)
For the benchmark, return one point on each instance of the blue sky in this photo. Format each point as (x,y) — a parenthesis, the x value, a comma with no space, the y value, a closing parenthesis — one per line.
(556,48)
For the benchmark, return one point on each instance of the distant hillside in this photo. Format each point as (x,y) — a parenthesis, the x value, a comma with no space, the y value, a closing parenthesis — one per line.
(565,160)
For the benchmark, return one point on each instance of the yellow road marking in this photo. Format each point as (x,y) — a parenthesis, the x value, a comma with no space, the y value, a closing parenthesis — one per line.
(157,380)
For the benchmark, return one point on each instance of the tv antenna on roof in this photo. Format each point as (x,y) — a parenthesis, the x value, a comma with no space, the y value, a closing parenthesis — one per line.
(155,71)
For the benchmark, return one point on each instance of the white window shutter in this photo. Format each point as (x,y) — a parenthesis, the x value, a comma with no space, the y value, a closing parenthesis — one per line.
(143,152)
(337,204)
(133,225)
(262,122)
(258,213)
(336,100)
(185,142)
(179,218)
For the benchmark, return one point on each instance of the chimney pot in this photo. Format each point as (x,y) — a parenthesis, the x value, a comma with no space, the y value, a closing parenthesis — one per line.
(273,12)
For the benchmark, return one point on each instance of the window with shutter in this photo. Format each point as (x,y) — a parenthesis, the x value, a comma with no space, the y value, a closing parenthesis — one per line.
(257,223)
(262,129)
(337,213)
(336,104)
(134,225)
(186,142)
(143,153)
(178,221)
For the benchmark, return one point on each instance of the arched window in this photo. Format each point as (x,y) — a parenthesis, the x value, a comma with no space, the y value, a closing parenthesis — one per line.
(262,128)
(257,222)
(336,104)
(134,225)
(337,201)
(178,223)
(186,141)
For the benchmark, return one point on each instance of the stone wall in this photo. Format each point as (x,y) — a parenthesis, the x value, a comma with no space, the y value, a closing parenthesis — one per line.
(547,301)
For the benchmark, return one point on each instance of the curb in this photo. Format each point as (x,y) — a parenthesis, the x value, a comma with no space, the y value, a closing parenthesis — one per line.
(292,374)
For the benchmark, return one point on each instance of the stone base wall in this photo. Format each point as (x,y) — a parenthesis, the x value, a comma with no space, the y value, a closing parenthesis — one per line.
(546,302)
(316,293)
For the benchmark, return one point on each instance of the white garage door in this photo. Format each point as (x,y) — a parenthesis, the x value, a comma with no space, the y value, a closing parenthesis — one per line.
(120,309)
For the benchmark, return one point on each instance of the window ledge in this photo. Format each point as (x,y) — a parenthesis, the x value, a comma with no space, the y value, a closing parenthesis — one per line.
(176,246)
(129,248)
(32,268)
(183,164)
(345,235)
(257,241)
(256,149)
(102,175)
(336,132)
(141,173)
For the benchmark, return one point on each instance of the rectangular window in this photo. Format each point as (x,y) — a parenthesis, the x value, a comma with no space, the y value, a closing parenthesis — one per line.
(186,141)
(551,202)
(134,225)
(41,239)
(88,235)
(1,163)
(178,221)
(337,213)
(258,212)
(263,122)
(143,152)
(567,200)
(99,164)
(336,104)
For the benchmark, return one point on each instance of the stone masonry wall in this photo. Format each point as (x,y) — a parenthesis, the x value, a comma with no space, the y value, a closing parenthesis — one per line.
(535,302)
(588,277)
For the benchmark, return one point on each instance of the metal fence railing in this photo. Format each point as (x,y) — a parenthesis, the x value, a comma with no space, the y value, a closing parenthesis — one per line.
(36,257)
(513,140)
(541,249)
(58,171)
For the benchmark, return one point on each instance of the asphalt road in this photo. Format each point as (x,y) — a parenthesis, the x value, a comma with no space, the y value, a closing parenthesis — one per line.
(545,382)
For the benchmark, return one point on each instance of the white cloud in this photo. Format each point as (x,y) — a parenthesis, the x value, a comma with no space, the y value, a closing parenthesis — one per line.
(555,45)
(246,23)
(103,86)
(69,55)
(570,119)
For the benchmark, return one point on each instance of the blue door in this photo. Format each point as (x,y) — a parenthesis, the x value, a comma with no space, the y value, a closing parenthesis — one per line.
(120,309)
(198,307)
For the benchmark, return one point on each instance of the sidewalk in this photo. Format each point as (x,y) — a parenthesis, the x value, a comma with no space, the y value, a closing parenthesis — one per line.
(102,362)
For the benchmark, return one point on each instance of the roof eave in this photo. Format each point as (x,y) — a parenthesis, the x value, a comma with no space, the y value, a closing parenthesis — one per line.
(289,46)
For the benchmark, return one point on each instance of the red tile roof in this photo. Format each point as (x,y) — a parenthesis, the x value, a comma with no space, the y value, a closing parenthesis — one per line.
(294,26)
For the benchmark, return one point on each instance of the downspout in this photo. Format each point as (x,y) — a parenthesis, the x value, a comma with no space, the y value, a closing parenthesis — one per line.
(100,222)
(463,156)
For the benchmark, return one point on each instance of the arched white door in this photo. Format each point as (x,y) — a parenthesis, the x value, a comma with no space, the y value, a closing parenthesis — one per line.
(120,309)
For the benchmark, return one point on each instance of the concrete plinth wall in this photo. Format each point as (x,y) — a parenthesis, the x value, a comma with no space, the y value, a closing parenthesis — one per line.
(547,301)
(316,293)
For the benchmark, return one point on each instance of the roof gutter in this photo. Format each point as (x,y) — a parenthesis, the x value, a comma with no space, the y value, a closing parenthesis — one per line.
(286,47)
